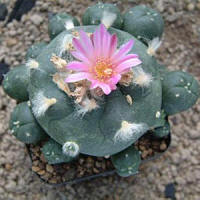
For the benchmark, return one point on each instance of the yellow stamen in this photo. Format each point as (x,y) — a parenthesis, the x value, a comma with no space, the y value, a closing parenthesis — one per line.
(103,69)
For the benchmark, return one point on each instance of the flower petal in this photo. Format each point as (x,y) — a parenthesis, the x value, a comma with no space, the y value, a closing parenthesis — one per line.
(77,66)
(77,77)
(86,43)
(97,42)
(128,64)
(78,46)
(78,55)
(125,58)
(113,45)
(115,79)
(105,87)
(124,49)
(94,85)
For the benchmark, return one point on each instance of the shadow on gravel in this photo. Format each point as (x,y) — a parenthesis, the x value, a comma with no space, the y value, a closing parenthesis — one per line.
(21,7)
(4,68)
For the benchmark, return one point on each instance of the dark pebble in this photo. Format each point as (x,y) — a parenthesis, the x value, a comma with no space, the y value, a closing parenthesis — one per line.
(4,68)
(3,11)
(21,7)
(170,191)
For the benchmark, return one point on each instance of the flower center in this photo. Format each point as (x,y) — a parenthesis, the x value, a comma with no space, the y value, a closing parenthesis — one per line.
(103,69)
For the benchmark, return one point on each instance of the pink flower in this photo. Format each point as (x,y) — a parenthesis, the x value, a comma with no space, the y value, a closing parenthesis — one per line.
(100,61)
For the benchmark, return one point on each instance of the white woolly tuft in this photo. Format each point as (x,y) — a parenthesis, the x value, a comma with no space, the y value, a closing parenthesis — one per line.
(63,43)
(128,131)
(32,64)
(87,105)
(153,46)
(41,104)
(141,78)
(70,149)
(108,18)
(69,25)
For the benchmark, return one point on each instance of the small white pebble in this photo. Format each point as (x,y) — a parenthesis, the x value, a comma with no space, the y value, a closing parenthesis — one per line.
(177,95)
(126,155)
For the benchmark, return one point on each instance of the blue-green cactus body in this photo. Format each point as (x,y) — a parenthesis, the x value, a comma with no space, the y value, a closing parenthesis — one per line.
(16,82)
(24,126)
(127,162)
(143,23)
(98,127)
(59,23)
(35,50)
(94,14)
(52,152)
(180,92)
(162,131)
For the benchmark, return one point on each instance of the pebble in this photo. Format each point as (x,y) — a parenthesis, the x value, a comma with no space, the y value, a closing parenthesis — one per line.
(11,185)
(190,6)
(163,146)
(35,169)
(41,172)
(11,42)
(8,166)
(49,168)
(36,19)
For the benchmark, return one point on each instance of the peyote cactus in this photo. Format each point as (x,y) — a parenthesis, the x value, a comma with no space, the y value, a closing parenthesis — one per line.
(143,23)
(96,89)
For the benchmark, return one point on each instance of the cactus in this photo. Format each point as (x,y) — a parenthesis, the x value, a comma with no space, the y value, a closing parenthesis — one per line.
(180,92)
(96,90)
(16,82)
(94,15)
(35,50)
(127,162)
(53,153)
(24,126)
(61,22)
(162,131)
(143,23)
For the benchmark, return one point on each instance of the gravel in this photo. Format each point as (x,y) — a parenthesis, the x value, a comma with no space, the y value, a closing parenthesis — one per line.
(180,166)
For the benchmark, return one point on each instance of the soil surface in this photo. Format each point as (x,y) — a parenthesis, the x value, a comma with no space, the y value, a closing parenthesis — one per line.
(177,172)
(89,166)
